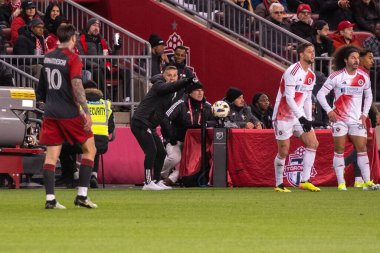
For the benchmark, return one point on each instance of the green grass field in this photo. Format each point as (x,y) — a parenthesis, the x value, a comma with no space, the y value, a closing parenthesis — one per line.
(193,220)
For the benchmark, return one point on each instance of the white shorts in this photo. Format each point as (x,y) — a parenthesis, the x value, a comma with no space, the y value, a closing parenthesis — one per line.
(285,129)
(341,128)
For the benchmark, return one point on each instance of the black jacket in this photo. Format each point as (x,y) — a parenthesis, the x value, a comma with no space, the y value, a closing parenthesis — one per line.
(265,118)
(240,116)
(366,15)
(157,101)
(301,29)
(26,44)
(178,118)
(333,14)
(6,77)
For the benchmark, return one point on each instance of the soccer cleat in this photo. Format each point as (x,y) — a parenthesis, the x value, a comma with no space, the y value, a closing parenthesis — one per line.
(308,186)
(152,187)
(358,184)
(342,187)
(93,182)
(53,204)
(281,188)
(370,186)
(82,201)
(163,186)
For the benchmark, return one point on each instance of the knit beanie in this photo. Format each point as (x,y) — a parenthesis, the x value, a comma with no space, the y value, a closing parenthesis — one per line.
(232,94)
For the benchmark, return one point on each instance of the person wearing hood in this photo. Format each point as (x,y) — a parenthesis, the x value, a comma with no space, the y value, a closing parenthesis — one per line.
(159,58)
(240,115)
(344,35)
(31,42)
(184,114)
(148,115)
(262,110)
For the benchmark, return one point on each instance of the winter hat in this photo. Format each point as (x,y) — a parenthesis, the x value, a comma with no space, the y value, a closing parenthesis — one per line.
(232,94)
(303,7)
(92,21)
(35,22)
(194,87)
(156,40)
(90,85)
(27,5)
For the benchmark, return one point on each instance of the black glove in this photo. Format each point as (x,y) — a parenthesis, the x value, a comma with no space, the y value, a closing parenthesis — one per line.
(119,44)
(306,124)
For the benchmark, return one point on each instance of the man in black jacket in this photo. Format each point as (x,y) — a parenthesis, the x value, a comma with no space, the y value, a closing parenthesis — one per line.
(184,114)
(148,115)
(303,27)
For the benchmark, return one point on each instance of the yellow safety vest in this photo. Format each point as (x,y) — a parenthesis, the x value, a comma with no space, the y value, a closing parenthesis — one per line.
(100,112)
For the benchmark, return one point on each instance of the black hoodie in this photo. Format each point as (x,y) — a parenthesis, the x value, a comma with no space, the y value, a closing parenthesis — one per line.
(157,101)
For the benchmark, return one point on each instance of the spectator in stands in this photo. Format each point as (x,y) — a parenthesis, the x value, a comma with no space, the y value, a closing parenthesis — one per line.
(6,77)
(52,12)
(91,42)
(27,14)
(240,115)
(366,12)
(263,8)
(322,44)
(255,3)
(52,39)
(276,41)
(102,125)
(31,42)
(303,27)
(336,11)
(314,4)
(262,110)
(238,22)
(179,61)
(373,43)
(344,35)
(8,11)
(186,113)
(277,15)
(159,58)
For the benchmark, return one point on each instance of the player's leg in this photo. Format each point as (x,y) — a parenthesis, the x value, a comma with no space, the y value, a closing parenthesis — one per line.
(338,160)
(311,143)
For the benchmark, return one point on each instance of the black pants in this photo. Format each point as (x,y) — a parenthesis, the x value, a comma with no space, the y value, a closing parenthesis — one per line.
(153,149)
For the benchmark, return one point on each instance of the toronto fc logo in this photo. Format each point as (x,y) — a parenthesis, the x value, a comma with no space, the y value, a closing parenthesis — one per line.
(174,41)
(294,167)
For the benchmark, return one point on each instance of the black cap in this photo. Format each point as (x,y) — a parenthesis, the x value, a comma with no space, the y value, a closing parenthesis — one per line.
(28,5)
(156,40)
(193,87)
(232,94)
(35,22)
(90,85)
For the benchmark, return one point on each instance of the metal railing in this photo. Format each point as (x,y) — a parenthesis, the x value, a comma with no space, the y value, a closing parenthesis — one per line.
(79,16)
(257,32)
(124,81)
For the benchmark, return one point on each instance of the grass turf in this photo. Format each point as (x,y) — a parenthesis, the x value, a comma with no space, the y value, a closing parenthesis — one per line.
(193,220)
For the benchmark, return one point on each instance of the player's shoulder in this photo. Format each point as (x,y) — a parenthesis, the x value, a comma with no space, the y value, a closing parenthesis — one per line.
(293,69)
(363,73)
(336,74)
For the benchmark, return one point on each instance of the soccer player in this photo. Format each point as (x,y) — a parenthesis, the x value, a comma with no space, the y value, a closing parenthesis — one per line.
(348,118)
(292,116)
(61,89)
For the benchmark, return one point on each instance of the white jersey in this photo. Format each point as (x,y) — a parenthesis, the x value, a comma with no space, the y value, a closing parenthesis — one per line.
(294,95)
(348,92)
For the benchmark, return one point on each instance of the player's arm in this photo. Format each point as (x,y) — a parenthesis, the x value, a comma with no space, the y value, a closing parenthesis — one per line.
(321,97)
(367,102)
(80,97)
(289,93)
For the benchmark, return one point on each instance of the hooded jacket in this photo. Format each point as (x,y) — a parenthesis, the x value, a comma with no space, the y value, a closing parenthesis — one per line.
(157,101)
(338,41)
(26,44)
(240,116)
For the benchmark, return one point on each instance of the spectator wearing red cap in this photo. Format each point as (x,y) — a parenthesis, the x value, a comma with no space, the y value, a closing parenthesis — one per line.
(303,27)
(344,35)
(365,14)
(336,11)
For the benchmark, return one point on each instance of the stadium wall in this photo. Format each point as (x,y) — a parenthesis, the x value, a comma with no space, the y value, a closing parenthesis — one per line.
(218,62)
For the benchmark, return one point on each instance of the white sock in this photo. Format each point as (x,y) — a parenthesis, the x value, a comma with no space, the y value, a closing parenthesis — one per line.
(359,179)
(50,197)
(82,191)
(308,162)
(174,175)
(338,163)
(363,163)
(279,169)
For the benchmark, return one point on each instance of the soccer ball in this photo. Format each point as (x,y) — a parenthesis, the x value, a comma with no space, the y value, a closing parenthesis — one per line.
(220,109)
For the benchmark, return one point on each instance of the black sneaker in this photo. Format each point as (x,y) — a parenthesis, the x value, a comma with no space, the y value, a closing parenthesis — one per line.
(82,201)
(93,182)
(53,204)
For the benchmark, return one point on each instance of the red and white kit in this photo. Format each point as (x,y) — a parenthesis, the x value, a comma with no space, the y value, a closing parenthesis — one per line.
(293,101)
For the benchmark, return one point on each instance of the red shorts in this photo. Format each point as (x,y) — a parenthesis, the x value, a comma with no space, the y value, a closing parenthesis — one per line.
(55,131)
